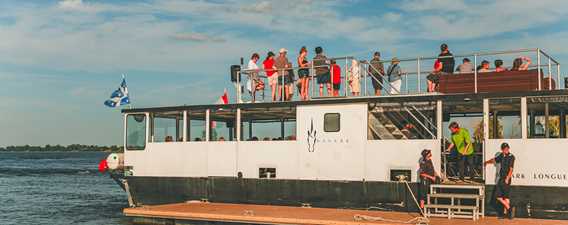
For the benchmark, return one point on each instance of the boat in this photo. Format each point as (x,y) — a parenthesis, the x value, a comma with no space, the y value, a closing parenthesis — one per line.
(356,151)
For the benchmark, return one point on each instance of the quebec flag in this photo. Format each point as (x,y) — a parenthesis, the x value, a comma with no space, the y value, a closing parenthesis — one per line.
(119,97)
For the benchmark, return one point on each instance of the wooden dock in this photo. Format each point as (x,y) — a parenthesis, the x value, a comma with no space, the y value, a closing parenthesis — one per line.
(266,214)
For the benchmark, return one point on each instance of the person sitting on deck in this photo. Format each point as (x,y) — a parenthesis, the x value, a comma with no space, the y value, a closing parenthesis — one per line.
(354,78)
(376,71)
(428,175)
(521,63)
(281,62)
(394,74)
(271,74)
(499,66)
(466,66)
(322,70)
(434,77)
(484,67)
(336,75)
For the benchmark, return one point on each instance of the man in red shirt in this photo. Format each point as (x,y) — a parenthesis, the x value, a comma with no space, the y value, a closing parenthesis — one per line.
(336,75)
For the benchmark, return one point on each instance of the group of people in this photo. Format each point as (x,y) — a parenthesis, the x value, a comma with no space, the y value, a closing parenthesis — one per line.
(444,65)
(327,74)
(461,142)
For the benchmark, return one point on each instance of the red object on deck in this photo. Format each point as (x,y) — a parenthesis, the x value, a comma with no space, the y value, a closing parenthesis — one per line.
(103,166)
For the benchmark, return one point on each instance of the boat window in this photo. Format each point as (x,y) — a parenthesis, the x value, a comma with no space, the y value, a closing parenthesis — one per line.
(331,122)
(222,125)
(268,124)
(136,132)
(546,117)
(196,125)
(505,118)
(408,120)
(167,127)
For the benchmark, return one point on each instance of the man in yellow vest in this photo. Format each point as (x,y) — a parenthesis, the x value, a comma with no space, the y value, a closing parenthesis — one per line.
(462,141)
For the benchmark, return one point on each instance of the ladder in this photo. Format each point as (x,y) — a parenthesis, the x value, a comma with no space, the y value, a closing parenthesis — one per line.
(455,201)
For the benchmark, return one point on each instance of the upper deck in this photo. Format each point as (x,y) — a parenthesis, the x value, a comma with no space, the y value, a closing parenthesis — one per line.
(542,77)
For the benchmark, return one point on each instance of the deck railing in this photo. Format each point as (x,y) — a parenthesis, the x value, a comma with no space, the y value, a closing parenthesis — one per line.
(414,75)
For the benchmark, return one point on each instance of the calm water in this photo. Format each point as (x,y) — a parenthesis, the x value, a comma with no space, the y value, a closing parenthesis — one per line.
(58,188)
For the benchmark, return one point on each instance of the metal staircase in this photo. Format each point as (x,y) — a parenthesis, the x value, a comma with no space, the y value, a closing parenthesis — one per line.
(389,121)
(456,201)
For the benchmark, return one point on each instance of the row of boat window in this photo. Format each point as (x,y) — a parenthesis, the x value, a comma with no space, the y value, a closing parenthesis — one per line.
(545,119)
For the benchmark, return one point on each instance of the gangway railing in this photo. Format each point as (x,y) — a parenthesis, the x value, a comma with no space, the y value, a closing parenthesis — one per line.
(413,77)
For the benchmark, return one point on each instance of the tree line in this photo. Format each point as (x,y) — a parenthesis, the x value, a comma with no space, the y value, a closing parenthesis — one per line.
(61,148)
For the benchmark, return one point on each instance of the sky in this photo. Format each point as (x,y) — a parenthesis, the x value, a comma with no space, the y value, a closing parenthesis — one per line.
(59,60)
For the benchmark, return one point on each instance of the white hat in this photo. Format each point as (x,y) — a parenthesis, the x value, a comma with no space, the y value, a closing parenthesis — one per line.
(282,50)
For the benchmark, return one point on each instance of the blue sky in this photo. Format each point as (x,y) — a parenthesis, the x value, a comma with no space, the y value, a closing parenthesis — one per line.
(59,60)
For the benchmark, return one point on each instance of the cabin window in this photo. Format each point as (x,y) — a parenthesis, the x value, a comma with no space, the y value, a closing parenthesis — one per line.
(268,124)
(267,173)
(547,117)
(167,127)
(196,123)
(136,132)
(331,122)
(505,118)
(222,125)
(402,121)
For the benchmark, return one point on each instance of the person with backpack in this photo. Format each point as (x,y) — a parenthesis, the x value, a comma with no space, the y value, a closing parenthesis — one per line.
(394,74)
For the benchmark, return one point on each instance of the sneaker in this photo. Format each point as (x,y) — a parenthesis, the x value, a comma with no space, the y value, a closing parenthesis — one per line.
(510,213)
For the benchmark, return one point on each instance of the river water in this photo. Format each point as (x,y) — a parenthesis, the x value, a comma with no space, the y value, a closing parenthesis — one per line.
(58,188)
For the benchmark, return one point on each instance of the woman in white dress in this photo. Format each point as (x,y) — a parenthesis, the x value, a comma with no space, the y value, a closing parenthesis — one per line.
(354,78)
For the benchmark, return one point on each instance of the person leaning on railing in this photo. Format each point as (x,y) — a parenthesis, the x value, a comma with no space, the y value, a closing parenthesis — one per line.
(322,70)
(376,71)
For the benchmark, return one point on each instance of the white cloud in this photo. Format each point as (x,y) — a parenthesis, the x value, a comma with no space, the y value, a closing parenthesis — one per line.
(197,37)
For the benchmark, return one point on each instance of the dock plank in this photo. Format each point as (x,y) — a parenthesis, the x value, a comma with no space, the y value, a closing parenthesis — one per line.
(266,214)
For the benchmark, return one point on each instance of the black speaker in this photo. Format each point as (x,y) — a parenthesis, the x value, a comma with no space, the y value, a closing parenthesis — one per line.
(235,69)
(565,82)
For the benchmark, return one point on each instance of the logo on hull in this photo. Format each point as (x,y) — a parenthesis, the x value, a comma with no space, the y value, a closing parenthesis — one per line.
(312,138)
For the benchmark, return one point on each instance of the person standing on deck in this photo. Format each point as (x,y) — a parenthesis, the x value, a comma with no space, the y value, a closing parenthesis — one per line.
(253,75)
(336,74)
(321,66)
(271,73)
(281,62)
(376,71)
(394,74)
(304,73)
(427,175)
(354,75)
(462,141)
(503,187)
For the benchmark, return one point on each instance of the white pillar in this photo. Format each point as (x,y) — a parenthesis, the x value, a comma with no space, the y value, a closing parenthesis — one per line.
(524,118)
(207,124)
(185,125)
(238,124)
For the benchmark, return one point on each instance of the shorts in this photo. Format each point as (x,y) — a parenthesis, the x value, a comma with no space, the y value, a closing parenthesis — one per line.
(336,86)
(303,73)
(323,78)
(502,189)
(434,77)
(273,80)
(377,81)
(423,188)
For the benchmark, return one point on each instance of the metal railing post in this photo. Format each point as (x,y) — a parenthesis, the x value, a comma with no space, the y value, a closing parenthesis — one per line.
(558,77)
(313,72)
(366,69)
(418,73)
(549,74)
(475,71)
(346,71)
(538,68)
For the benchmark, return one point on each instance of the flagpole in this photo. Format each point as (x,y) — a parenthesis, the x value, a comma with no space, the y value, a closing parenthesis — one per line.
(130,104)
